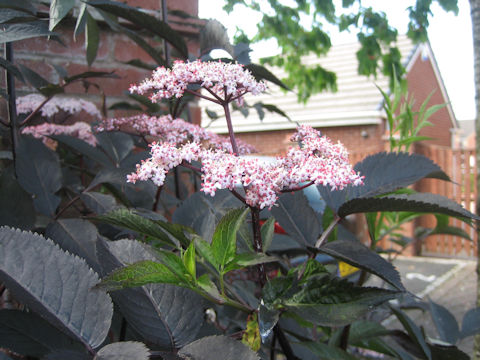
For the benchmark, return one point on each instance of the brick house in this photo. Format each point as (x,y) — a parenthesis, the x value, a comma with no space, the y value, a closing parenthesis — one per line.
(352,115)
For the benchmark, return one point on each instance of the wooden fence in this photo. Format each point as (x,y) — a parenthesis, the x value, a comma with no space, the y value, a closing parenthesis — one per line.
(459,165)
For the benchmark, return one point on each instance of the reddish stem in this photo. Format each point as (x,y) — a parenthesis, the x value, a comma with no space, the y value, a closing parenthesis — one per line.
(230,128)
(298,188)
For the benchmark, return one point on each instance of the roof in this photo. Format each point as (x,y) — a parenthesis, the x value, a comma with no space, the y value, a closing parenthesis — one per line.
(357,101)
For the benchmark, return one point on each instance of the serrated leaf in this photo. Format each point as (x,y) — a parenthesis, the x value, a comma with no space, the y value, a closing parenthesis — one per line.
(29,334)
(297,218)
(224,241)
(332,302)
(77,236)
(145,21)
(39,173)
(413,330)
(202,212)
(54,284)
(127,350)
(97,202)
(58,10)
(19,213)
(23,5)
(247,259)
(262,73)
(445,323)
(138,274)
(24,30)
(358,255)
(471,323)
(7,65)
(225,348)
(92,38)
(166,315)
(11,16)
(267,319)
(214,36)
(384,172)
(419,202)
(363,329)
(128,219)
(207,285)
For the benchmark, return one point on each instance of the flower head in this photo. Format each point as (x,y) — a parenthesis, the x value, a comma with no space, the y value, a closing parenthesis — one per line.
(318,161)
(225,80)
(28,103)
(80,130)
(173,131)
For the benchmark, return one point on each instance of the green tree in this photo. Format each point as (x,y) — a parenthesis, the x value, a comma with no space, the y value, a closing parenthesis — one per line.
(302,29)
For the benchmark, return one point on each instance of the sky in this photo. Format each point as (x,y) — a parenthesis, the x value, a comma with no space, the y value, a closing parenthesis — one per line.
(450,37)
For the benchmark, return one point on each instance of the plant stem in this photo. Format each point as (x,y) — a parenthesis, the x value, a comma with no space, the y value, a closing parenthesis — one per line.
(283,341)
(194,93)
(298,188)
(257,243)
(12,106)
(34,112)
(328,231)
(230,128)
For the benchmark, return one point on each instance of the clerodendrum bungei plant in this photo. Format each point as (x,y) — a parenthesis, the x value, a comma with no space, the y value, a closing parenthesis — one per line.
(230,271)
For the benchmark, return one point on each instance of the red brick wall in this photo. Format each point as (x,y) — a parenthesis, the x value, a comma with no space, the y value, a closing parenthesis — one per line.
(114,50)
(421,83)
(357,139)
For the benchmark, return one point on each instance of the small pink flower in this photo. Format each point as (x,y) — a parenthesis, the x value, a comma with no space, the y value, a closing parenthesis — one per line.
(225,80)
(80,130)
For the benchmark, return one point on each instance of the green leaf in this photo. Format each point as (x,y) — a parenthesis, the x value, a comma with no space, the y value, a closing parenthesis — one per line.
(325,351)
(127,350)
(267,231)
(262,73)
(39,173)
(224,241)
(25,30)
(145,21)
(205,251)
(274,109)
(55,285)
(189,260)
(363,329)
(413,330)
(7,65)
(171,234)
(92,38)
(155,310)
(246,259)
(358,255)
(332,302)
(91,74)
(297,218)
(207,285)
(471,323)
(225,348)
(58,10)
(28,334)
(420,202)
(138,274)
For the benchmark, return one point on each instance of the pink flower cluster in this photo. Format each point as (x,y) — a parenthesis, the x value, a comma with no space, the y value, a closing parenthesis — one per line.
(226,81)
(317,161)
(172,131)
(28,103)
(80,130)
